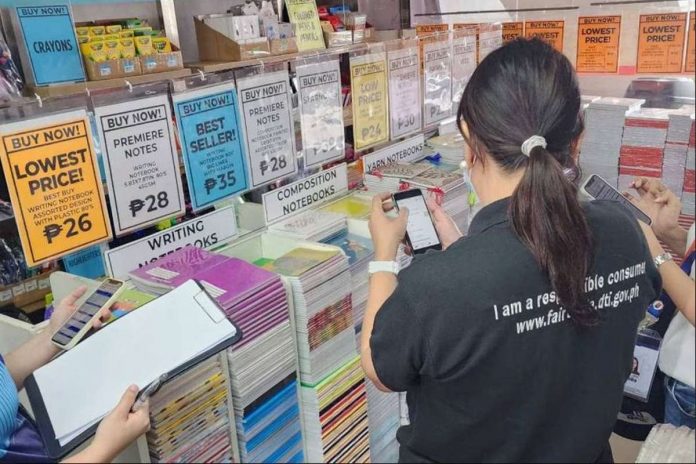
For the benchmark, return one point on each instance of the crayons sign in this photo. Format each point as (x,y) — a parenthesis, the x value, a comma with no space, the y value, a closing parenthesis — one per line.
(598,44)
(304,17)
(661,43)
(49,37)
(211,145)
(140,162)
(53,179)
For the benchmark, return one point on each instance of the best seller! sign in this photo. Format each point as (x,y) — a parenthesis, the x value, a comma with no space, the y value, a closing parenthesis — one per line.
(661,43)
(54,185)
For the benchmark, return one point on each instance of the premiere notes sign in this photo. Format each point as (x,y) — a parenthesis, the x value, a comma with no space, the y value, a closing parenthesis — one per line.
(661,43)
(598,44)
(54,185)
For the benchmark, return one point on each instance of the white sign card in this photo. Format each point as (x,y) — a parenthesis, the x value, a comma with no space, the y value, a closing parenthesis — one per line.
(463,64)
(268,127)
(321,112)
(490,38)
(214,228)
(141,162)
(305,193)
(406,151)
(437,88)
(404,92)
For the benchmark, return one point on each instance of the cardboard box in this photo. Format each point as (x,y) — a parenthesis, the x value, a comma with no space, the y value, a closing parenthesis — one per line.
(162,62)
(338,39)
(283,46)
(112,69)
(214,46)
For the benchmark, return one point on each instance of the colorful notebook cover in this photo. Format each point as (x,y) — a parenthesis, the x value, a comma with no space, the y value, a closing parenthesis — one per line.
(176,268)
(300,260)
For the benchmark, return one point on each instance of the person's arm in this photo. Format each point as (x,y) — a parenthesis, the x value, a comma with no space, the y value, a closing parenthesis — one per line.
(675,282)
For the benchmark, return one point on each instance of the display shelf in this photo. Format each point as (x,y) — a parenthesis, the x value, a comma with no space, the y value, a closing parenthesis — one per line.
(80,87)
(216,66)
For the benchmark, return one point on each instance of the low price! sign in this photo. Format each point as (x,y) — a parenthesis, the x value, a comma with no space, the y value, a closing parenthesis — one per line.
(141,162)
(54,185)
(598,44)
(270,140)
(211,143)
(661,43)
(368,85)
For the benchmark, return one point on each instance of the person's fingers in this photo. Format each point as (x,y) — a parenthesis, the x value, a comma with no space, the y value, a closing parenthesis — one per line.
(126,403)
(142,416)
(377,202)
(74,295)
(630,198)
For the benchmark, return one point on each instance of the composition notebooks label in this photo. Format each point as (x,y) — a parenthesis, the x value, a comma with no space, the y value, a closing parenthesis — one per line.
(268,128)
(369,89)
(321,112)
(55,189)
(140,162)
(211,145)
(404,92)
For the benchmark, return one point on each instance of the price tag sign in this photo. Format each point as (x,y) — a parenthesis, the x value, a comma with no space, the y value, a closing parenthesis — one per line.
(305,18)
(321,112)
(48,32)
(368,85)
(54,185)
(463,63)
(404,92)
(550,32)
(490,38)
(211,144)
(140,162)
(690,63)
(512,31)
(305,193)
(214,228)
(407,151)
(268,128)
(598,44)
(661,43)
(437,87)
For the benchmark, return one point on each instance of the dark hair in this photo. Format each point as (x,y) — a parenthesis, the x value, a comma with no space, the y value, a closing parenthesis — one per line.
(527,88)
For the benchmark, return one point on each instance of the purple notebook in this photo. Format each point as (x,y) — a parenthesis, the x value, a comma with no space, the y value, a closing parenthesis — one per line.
(178,267)
(234,280)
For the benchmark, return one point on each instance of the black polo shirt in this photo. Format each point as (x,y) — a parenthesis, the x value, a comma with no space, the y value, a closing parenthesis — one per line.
(493,367)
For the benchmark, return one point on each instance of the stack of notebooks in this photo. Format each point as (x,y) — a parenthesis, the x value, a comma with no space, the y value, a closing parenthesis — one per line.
(448,188)
(676,147)
(601,144)
(384,419)
(263,363)
(190,419)
(643,145)
(689,192)
(391,178)
(335,416)
(360,252)
(450,147)
(352,206)
(313,226)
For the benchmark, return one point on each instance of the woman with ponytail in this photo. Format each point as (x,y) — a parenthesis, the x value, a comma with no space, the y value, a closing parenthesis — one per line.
(514,342)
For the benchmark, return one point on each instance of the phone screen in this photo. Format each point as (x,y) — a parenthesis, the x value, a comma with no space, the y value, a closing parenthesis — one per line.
(599,189)
(87,311)
(420,229)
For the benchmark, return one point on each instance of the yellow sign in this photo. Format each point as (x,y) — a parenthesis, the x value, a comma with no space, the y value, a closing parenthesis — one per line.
(368,84)
(550,32)
(661,43)
(598,44)
(512,31)
(54,185)
(690,65)
(303,15)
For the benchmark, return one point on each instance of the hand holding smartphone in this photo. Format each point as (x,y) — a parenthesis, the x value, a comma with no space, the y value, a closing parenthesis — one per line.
(599,189)
(420,230)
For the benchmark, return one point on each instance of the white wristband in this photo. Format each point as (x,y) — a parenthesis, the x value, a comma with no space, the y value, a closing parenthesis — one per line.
(383,266)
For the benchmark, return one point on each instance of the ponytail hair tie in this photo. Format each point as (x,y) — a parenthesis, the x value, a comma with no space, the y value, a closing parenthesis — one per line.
(531,143)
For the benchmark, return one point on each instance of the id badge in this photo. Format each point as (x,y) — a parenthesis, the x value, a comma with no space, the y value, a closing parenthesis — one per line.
(644,365)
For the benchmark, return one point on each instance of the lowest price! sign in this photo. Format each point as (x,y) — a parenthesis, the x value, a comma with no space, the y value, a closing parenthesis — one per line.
(54,184)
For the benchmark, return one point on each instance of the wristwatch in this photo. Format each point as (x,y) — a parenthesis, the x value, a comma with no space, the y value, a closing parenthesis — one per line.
(383,266)
(659,260)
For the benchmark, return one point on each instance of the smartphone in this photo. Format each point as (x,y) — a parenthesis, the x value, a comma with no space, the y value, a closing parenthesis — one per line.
(599,189)
(81,320)
(420,230)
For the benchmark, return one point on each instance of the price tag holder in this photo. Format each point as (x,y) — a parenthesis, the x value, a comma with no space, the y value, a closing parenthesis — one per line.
(140,162)
(404,92)
(437,86)
(463,62)
(268,128)
(644,365)
(55,190)
(369,89)
(211,144)
(321,112)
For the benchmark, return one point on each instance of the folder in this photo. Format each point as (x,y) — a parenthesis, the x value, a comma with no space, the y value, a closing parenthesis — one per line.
(71,394)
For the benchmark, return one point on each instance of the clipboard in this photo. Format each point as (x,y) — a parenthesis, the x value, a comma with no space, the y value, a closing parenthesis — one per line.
(42,418)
